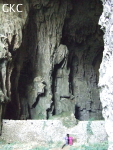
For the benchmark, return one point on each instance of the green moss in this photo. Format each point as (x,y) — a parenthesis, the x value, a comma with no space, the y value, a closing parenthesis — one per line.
(7,146)
(88,128)
(97,146)
(40,148)
(44,125)
(67,118)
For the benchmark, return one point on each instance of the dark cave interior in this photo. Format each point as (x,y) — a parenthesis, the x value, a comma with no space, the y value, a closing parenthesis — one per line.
(84,40)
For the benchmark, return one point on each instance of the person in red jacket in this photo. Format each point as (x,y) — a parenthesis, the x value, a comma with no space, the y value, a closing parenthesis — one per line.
(70,141)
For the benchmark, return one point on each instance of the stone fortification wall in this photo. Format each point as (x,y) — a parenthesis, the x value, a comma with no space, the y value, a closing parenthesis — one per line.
(52,131)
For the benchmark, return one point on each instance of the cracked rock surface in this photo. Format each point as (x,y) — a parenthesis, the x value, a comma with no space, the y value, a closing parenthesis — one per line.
(50,55)
(106,75)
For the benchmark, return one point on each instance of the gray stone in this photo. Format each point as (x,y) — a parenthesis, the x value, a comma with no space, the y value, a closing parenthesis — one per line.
(106,74)
(49,59)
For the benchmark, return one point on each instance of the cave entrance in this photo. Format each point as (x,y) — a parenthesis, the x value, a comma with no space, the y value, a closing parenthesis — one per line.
(84,39)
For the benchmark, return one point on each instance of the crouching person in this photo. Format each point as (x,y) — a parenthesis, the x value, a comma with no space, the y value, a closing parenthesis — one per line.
(66,140)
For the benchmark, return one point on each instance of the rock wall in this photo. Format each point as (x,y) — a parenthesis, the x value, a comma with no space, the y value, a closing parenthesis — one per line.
(106,75)
(11,27)
(50,56)
(36,50)
(83,37)
(52,131)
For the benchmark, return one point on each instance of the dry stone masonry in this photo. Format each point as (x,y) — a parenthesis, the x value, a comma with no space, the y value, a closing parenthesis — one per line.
(45,131)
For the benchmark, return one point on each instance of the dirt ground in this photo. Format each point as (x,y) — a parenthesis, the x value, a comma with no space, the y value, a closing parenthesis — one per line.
(65,148)
(30,146)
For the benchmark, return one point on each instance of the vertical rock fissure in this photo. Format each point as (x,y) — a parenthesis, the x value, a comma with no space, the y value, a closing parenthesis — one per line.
(83,37)
(10,41)
(55,61)
(54,84)
(31,76)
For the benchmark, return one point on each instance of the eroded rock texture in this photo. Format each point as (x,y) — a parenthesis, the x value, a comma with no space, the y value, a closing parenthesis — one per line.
(50,56)
(84,40)
(34,63)
(11,26)
(106,73)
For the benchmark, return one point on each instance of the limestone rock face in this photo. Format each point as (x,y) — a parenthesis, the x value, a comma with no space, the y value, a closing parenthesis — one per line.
(11,26)
(35,51)
(50,54)
(106,74)
(84,40)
